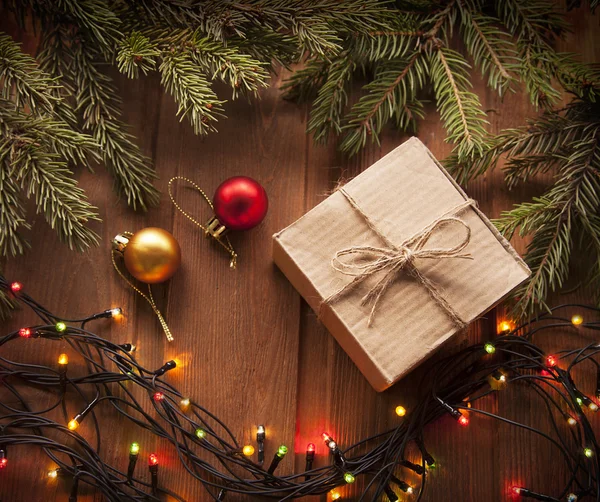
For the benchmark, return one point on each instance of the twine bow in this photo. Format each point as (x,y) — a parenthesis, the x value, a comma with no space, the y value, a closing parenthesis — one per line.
(365,261)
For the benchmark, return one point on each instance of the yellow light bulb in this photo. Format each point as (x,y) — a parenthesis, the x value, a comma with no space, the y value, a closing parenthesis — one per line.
(63,359)
(571,421)
(400,411)
(73,424)
(53,474)
(505,327)
(248,450)
(184,404)
(576,320)
(335,495)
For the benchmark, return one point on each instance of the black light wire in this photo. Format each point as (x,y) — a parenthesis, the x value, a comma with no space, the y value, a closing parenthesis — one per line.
(456,380)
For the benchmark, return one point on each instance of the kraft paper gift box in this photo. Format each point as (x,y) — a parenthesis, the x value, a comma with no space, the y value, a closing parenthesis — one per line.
(396,262)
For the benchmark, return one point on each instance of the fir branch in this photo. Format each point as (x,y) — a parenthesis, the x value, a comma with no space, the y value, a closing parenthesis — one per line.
(12,211)
(21,80)
(533,149)
(581,173)
(440,20)
(535,25)
(582,80)
(274,49)
(535,22)
(569,211)
(7,305)
(392,93)
(315,24)
(535,70)
(188,84)
(54,57)
(50,133)
(96,100)
(304,83)
(57,196)
(33,140)
(228,64)
(460,109)
(175,14)
(100,23)
(318,24)
(134,53)
(489,46)
(401,37)
(328,108)
(552,219)
(547,254)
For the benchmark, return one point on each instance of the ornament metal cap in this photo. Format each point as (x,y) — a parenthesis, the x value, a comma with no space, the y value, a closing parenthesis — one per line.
(119,243)
(216,229)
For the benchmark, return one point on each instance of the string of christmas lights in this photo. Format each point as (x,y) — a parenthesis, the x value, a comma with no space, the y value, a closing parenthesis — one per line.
(114,377)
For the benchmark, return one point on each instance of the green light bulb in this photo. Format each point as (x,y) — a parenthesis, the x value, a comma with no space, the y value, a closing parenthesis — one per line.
(588,452)
(349,477)
(134,449)
(489,348)
(61,326)
(579,401)
(201,433)
(282,451)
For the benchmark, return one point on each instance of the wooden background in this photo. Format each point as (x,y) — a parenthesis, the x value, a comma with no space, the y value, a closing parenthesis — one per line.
(252,351)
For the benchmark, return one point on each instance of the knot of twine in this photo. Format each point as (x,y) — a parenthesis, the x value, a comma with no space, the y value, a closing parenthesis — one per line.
(362,262)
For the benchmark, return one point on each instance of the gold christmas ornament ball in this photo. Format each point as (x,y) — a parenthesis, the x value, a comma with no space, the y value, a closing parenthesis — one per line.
(152,255)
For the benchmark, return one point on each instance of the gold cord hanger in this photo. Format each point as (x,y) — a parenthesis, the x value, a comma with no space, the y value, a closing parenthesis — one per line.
(207,231)
(117,247)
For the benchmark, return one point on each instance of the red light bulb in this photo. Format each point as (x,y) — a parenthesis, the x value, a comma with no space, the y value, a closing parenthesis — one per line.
(15,287)
(326,437)
(516,490)
(153,459)
(3,462)
(310,448)
(25,333)
(240,203)
(158,396)
(551,361)
(464,421)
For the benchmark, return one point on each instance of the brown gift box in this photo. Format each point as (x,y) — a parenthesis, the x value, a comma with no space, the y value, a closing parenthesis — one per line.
(400,195)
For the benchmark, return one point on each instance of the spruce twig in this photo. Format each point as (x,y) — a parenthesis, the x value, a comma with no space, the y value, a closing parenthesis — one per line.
(98,103)
(191,89)
(566,143)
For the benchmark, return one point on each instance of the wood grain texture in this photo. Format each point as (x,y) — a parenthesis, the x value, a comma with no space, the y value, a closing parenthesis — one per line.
(252,351)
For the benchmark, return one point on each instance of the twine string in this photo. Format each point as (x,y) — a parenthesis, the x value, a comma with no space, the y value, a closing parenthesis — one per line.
(362,262)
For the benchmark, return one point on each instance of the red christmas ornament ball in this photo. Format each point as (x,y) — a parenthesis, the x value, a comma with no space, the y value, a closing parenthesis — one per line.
(240,203)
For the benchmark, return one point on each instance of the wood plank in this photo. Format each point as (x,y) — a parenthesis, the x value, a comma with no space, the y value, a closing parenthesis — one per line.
(252,352)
